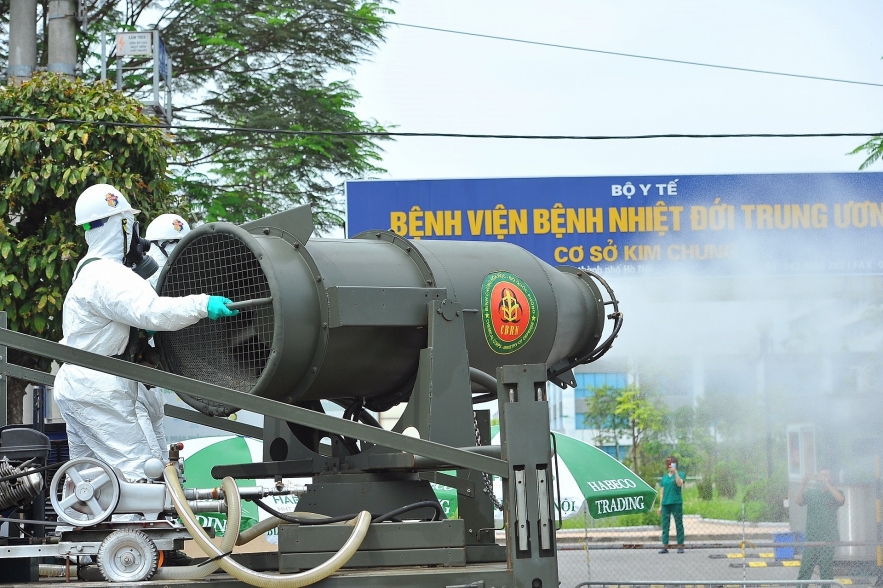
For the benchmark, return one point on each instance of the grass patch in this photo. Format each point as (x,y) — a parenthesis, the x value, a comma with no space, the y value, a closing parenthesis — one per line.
(726,509)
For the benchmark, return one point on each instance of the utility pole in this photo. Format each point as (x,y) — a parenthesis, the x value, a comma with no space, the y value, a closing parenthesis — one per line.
(62,31)
(22,40)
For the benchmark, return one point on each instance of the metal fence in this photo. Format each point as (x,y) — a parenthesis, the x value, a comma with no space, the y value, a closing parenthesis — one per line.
(714,553)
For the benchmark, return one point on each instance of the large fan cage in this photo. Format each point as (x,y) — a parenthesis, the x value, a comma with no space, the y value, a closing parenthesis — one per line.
(232,352)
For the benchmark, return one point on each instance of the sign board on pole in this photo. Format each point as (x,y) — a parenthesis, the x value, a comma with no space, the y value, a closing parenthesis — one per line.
(772,224)
(134,44)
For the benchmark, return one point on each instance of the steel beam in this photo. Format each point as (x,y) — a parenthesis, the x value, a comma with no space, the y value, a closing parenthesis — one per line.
(26,374)
(192,416)
(4,418)
(265,406)
(365,306)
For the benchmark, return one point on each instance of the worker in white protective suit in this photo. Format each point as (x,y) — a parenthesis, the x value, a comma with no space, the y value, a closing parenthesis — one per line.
(109,295)
(163,232)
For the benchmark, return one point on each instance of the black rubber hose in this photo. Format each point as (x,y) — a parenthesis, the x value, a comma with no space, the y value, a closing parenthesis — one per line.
(439,513)
(341,518)
(365,417)
(32,471)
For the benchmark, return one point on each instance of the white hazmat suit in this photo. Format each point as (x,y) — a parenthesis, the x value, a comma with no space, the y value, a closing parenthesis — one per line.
(150,406)
(105,300)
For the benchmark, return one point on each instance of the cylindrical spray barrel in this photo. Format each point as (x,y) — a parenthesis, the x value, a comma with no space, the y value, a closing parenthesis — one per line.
(517,310)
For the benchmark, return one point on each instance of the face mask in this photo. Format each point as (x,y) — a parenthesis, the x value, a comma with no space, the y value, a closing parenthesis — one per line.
(143,265)
(167,246)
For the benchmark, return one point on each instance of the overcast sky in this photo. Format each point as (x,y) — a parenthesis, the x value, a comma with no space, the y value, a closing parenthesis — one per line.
(422,80)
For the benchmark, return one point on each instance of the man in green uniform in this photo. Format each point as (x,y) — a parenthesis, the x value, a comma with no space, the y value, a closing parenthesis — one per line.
(822,501)
(671,504)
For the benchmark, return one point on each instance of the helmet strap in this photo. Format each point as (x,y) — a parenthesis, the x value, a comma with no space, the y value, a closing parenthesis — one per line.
(93,224)
(125,244)
(162,246)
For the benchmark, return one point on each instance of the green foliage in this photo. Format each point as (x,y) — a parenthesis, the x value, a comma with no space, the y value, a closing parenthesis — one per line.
(705,489)
(769,494)
(754,511)
(873,149)
(4,27)
(601,415)
(755,507)
(273,66)
(43,169)
(725,480)
(724,509)
(645,416)
(643,519)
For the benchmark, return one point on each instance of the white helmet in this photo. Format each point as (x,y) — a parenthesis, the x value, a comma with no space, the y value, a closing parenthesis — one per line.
(99,202)
(167,227)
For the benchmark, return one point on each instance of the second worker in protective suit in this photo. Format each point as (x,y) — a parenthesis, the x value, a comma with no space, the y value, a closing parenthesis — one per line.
(106,299)
(164,232)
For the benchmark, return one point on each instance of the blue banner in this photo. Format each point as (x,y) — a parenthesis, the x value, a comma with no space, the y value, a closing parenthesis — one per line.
(718,225)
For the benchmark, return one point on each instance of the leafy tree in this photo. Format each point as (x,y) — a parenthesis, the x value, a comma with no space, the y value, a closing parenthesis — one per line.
(264,65)
(874,150)
(644,418)
(601,414)
(4,27)
(693,444)
(43,169)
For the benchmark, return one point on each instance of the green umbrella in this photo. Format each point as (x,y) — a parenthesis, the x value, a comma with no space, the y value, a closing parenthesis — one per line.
(610,488)
(447,498)
(586,473)
(201,455)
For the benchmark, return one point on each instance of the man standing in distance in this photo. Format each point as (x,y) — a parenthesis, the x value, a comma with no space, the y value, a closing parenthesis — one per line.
(671,503)
(822,501)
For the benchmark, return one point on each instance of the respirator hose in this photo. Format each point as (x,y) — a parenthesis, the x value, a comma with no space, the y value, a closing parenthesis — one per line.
(361,523)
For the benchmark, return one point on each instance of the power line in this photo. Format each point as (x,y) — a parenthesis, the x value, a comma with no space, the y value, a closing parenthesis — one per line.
(386,134)
(634,56)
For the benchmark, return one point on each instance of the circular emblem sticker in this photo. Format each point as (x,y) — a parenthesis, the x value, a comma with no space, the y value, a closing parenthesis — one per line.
(509,312)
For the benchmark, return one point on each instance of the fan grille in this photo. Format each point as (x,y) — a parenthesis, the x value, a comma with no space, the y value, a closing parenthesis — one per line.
(230,352)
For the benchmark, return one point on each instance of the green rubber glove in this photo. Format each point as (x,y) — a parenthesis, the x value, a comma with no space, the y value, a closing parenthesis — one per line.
(217,307)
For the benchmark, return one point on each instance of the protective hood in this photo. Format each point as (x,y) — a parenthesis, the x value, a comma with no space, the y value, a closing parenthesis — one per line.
(159,257)
(117,240)
(108,241)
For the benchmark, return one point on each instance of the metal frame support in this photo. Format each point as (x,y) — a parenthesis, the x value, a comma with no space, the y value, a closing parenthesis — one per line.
(716,583)
(192,416)
(265,406)
(530,528)
(441,398)
(879,480)
(103,55)
(160,71)
(442,379)
(4,417)
(156,68)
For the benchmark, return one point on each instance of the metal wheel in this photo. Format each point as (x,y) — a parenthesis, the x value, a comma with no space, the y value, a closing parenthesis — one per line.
(88,496)
(127,555)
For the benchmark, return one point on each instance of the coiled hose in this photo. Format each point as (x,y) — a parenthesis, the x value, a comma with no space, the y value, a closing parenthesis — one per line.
(361,524)
(231,537)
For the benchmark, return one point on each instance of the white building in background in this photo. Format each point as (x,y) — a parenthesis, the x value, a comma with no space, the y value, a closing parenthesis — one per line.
(567,408)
